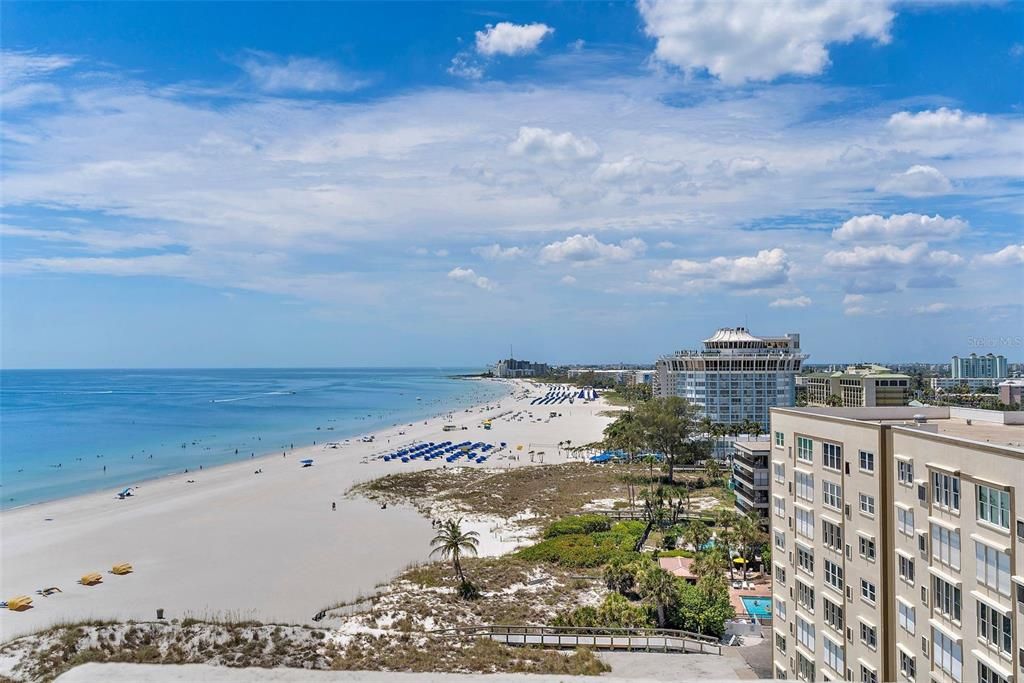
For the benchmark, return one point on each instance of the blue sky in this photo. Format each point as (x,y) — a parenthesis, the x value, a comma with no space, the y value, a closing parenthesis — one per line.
(424,184)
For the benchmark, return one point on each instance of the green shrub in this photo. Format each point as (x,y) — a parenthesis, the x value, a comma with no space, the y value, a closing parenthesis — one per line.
(615,611)
(579,524)
(587,550)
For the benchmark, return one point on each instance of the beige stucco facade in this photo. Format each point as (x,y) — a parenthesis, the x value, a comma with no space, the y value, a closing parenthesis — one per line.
(895,544)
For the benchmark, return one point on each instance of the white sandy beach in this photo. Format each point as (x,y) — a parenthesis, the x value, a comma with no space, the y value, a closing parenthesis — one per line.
(243,545)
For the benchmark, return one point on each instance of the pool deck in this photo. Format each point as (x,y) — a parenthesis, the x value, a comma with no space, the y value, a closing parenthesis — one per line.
(761,588)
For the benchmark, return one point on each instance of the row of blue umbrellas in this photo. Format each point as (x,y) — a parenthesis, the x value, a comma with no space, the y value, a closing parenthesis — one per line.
(446,449)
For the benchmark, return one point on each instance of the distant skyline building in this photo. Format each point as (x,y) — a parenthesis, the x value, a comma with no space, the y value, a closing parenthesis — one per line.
(859,386)
(736,376)
(512,368)
(975,366)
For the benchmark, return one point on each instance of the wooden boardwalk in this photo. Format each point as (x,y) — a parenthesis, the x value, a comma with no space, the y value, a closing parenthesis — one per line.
(629,639)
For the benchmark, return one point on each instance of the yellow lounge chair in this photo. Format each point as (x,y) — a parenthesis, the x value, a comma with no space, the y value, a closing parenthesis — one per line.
(123,568)
(91,579)
(19,603)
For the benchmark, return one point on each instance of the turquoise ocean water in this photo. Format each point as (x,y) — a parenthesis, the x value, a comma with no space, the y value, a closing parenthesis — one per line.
(60,428)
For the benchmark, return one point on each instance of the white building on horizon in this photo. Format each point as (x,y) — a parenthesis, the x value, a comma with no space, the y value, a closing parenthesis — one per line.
(736,376)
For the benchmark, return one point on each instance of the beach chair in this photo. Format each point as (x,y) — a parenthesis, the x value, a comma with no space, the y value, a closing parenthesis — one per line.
(19,603)
(47,592)
(121,569)
(91,579)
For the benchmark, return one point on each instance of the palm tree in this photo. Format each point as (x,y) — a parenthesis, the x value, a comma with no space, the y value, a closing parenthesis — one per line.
(453,543)
(713,469)
(696,534)
(709,563)
(658,587)
(834,401)
(749,539)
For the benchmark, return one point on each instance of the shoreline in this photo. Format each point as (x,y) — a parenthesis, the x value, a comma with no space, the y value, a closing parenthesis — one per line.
(259,456)
(264,546)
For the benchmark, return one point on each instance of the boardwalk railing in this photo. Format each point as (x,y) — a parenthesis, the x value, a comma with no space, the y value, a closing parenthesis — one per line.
(637,639)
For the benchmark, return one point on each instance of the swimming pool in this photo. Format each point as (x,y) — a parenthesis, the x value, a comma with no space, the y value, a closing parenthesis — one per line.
(757,606)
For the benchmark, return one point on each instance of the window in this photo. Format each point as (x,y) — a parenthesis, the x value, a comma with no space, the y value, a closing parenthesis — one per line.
(805,486)
(780,540)
(905,521)
(780,574)
(833,614)
(805,596)
(946,491)
(805,634)
(780,472)
(946,546)
(869,635)
(867,590)
(867,504)
(780,609)
(905,472)
(832,536)
(946,598)
(805,559)
(994,628)
(907,616)
(994,506)
(805,669)
(987,675)
(804,449)
(780,642)
(905,566)
(780,439)
(805,523)
(866,547)
(908,667)
(992,568)
(834,575)
(947,654)
(867,461)
(780,506)
(832,494)
(868,675)
(834,656)
(832,456)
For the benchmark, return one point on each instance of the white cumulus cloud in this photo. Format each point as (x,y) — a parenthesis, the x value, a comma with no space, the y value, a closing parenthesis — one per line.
(1012,254)
(587,248)
(908,226)
(545,145)
(916,254)
(740,40)
(506,38)
(568,280)
(767,268)
(469,276)
(941,121)
(795,302)
(917,181)
(496,252)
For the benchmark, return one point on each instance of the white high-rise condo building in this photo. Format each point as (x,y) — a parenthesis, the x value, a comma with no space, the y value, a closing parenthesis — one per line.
(736,376)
